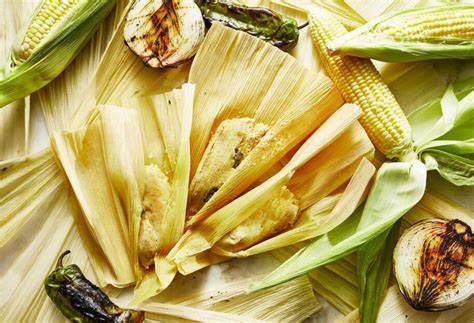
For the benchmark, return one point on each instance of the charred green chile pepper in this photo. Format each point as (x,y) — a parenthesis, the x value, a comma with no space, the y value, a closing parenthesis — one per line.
(81,301)
(260,22)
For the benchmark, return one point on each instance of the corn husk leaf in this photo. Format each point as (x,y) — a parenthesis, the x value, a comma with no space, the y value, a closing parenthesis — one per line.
(341,292)
(367,41)
(29,256)
(276,91)
(293,301)
(14,117)
(61,97)
(173,112)
(209,231)
(54,55)
(374,264)
(397,188)
(83,156)
(25,184)
(121,75)
(340,8)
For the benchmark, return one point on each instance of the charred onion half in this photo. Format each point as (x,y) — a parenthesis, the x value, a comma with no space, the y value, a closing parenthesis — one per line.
(434,264)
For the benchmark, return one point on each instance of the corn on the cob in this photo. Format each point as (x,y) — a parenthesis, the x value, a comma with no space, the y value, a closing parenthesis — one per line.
(54,35)
(359,82)
(412,35)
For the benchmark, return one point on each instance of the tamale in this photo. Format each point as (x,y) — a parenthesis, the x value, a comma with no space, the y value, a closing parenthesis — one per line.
(229,145)
(155,199)
(277,92)
(270,207)
(278,214)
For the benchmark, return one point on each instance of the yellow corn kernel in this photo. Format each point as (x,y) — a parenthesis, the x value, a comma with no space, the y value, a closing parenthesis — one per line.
(46,17)
(359,82)
(451,25)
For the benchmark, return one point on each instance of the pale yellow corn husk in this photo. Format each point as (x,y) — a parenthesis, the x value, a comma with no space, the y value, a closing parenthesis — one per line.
(315,220)
(120,75)
(293,301)
(61,97)
(206,233)
(173,112)
(32,254)
(336,282)
(26,184)
(14,118)
(340,8)
(84,160)
(277,92)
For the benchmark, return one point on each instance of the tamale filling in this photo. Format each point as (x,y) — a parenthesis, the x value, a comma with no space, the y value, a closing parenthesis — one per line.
(278,214)
(155,200)
(230,144)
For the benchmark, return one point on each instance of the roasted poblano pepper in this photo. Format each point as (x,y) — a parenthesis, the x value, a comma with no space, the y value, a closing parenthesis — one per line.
(81,301)
(266,24)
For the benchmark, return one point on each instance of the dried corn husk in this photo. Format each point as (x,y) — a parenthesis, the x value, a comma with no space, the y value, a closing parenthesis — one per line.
(293,301)
(25,184)
(277,92)
(173,112)
(121,76)
(105,163)
(60,98)
(14,117)
(30,255)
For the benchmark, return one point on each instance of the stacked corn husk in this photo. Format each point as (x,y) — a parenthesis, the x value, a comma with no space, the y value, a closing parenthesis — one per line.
(103,141)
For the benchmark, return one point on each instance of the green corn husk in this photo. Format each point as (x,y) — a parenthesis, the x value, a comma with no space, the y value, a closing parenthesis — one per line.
(417,34)
(397,188)
(55,51)
(444,139)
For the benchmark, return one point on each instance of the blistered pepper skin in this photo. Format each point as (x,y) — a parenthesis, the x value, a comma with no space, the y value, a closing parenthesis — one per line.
(81,301)
(266,24)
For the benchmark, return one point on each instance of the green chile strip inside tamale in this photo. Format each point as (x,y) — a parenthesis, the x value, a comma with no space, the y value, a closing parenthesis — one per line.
(231,143)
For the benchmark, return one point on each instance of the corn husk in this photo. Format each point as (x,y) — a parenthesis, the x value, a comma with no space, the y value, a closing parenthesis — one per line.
(25,184)
(105,163)
(293,301)
(60,98)
(277,92)
(336,282)
(29,256)
(173,112)
(84,160)
(120,75)
(14,117)
(397,187)
(203,237)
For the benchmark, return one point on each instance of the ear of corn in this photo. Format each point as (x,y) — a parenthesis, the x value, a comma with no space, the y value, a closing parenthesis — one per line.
(52,38)
(418,34)
(359,82)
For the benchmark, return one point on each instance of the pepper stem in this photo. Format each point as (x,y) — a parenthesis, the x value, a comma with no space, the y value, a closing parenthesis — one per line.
(60,260)
(303,25)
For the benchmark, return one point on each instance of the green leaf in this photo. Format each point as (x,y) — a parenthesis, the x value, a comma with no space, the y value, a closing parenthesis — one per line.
(374,260)
(397,188)
(456,169)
